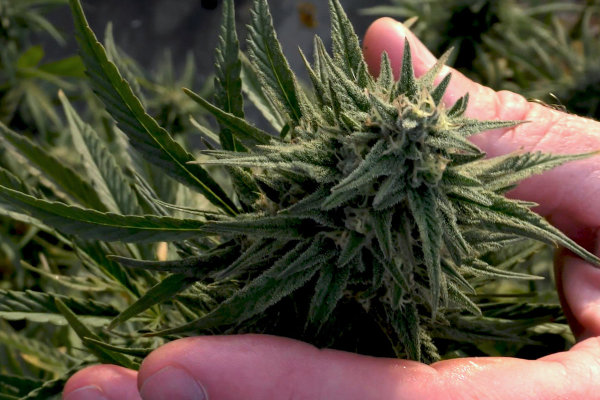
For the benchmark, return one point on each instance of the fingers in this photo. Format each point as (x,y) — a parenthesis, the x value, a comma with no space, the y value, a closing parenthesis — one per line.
(253,367)
(581,295)
(102,382)
(269,368)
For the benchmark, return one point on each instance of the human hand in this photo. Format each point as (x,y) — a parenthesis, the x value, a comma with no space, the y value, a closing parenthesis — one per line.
(264,367)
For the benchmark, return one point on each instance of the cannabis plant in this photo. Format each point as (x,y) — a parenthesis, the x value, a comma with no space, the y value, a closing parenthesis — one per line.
(365,220)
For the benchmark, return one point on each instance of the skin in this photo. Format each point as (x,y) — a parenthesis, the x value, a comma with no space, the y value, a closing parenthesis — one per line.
(265,367)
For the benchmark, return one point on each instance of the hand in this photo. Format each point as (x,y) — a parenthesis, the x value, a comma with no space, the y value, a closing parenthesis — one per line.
(270,368)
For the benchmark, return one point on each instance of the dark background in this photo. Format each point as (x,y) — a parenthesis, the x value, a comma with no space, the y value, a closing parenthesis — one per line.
(145,29)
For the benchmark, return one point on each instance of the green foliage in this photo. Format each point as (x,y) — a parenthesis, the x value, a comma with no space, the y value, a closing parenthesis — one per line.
(270,64)
(364,219)
(28,84)
(151,140)
(40,307)
(228,81)
(102,167)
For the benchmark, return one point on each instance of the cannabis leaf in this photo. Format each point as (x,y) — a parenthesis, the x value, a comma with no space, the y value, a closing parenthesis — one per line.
(145,135)
(228,67)
(41,307)
(269,62)
(102,167)
(91,224)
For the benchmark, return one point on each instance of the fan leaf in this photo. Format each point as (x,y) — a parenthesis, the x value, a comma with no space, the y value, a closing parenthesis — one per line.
(91,224)
(153,142)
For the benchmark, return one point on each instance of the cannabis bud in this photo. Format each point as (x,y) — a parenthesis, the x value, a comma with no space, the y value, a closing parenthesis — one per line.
(377,195)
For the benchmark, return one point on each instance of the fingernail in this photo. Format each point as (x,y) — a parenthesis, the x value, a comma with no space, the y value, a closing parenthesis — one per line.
(91,392)
(172,383)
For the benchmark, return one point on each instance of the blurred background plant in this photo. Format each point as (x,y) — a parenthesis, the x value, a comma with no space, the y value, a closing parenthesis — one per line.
(28,83)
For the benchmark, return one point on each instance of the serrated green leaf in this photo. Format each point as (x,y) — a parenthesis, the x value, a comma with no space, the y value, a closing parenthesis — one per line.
(269,62)
(314,253)
(255,297)
(61,176)
(40,307)
(426,81)
(228,82)
(152,141)
(424,210)
(328,291)
(480,267)
(517,167)
(198,267)
(438,93)
(84,332)
(163,291)
(382,226)
(459,107)
(319,88)
(245,186)
(259,252)
(406,324)
(276,227)
(253,88)
(351,248)
(390,193)
(91,224)
(351,95)
(407,84)
(135,352)
(472,194)
(126,65)
(346,47)
(102,168)
(386,74)
(508,216)
(462,300)
(246,132)
(186,266)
